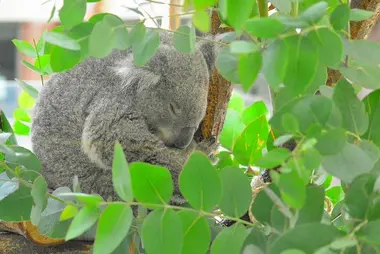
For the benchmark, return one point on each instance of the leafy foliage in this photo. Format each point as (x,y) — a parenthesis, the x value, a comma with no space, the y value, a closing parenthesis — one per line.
(335,135)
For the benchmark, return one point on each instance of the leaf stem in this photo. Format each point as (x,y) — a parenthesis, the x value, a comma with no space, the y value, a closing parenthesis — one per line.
(263,8)
(39,61)
(294,9)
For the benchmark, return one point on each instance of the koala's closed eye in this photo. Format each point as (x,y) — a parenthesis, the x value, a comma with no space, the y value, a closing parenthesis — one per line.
(174,109)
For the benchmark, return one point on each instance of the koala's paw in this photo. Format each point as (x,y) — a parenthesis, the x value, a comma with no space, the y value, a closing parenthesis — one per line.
(208,146)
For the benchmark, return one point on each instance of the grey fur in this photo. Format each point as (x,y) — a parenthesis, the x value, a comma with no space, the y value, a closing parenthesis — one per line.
(82,112)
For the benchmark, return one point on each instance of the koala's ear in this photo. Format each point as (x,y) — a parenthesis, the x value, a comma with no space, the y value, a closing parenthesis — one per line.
(210,50)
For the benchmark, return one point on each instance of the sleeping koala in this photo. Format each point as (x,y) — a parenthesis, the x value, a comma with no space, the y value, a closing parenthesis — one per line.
(153,111)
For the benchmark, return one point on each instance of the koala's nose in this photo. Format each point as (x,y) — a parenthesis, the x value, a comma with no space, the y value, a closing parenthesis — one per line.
(185,137)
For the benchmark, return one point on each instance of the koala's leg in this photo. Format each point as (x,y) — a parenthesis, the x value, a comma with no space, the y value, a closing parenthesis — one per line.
(102,129)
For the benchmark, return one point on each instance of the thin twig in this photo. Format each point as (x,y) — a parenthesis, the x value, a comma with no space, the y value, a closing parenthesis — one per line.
(39,61)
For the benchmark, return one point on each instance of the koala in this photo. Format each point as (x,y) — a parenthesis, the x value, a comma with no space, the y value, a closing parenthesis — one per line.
(153,111)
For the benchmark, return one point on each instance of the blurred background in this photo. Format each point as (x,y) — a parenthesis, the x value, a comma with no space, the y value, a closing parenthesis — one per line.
(27,19)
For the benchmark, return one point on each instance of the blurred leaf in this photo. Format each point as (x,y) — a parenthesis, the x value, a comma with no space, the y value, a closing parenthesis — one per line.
(235,14)
(82,222)
(72,12)
(248,69)
(38,193)
(370,233)
(69,212)
(360,15)
(372,106)
(87,199)
(24,157)
(151,184)
(314,13)
(102,37)
(275,61)
(257,238)
(264,27)
(121,178)
(200,183)
(236,192)
(113,227)
(82,33)
(349,163)
(16,207)
(21,129)
(137,34)
(273,158)
(250,143)
(290,123)
(7,185)
(30,90)
(312,211)
(365,52)
(25,48)
(307,237)
(302,62)
(343,243)
(25,101)
(331,142)
(243,47)
(293,189)
(335,194)
(202,21)
(232,127)
(236,102)
(340,16)
(62,40)
(146,49)
(254,111)
(227,65)
(352,109)
(263,205)
(202,4)
(366,76)
(64,59)
(330,46)
(230,240)
(162,232)
(184,39)
(196,232)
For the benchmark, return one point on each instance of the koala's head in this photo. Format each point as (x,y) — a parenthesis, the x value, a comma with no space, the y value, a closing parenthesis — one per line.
(172,93)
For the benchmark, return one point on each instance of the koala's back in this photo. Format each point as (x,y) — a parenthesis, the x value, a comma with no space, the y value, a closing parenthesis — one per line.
(58,118)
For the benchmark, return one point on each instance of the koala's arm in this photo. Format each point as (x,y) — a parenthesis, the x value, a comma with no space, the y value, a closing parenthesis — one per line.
(108,123)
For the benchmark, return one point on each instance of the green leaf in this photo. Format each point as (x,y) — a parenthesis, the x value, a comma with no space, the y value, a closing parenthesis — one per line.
(330,46)
(340,16)
(82,222)
(312,211)
(24,157)
(7,185)
(360,15)
(236,14)
(335,194)
(30,90)
(349,163)
(201,20)
(184,39)
(331,142)
(303,62)
(363,75)
(72,12)
(113,227)
(82,33)
(202,4)
(151,184)
(17,206)
(120,174)
(343,243)
(88,199)
(372,106)
(263,204)
(257,238)
(250,143)
(200,183)
(293,190)
(232,127)
(254,111)
(275,61)
(230,240)
(307,237)
(162,232)
(314,13)
(264,27)
(196,232)
(6,127)
(69,212)
(64,59)
(25,101)
(25,48)
(236,192)
(38,193)
(236,102)
(227,65)
(364,52)
(248,68)
(62,40)
(146,49)
(243,47)
(370,233)
(274,158)
(290,123)
(102,38)
(32,67)
(21,129)
(352,109)
(137,34)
